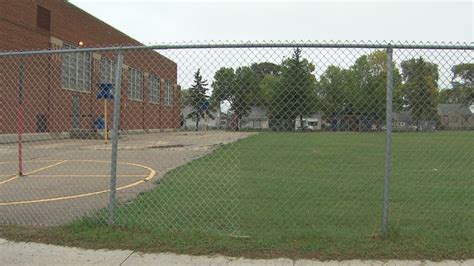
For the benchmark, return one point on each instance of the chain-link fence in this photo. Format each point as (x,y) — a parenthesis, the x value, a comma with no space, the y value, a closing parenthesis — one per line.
(284,139)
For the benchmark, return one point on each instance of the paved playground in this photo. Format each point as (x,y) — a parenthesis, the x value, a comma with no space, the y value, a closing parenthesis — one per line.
(65,179)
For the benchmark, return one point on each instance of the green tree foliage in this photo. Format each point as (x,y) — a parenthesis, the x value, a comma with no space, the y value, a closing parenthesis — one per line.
(222,86)
(335,90)
(197,98)
(420,88)
(268,76)
(360,89)
(246,94)
(294,96)
(290,90)
(466,74)
(266,68)
(370,89)
(240,88)
(463,86)
(184,97)
(267,86)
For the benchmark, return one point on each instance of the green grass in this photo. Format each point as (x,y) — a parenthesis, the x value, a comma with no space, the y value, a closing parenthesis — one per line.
(313,195)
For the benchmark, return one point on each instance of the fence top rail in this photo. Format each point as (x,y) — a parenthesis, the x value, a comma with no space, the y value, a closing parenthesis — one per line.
(427,46)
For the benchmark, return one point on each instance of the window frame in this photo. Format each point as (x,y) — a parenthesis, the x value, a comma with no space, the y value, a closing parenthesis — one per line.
(154,92)
(135,84)
(76,69)
(168,97)
(111,68)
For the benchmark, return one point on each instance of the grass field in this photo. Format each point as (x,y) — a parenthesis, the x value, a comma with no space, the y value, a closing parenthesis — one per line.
(312,195)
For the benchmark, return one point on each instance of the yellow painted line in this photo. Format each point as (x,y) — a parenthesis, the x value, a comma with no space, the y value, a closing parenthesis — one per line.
(74,175)
(149,177)
(10,178)
(13,177)
(46,167)
(34,161)
(32,172)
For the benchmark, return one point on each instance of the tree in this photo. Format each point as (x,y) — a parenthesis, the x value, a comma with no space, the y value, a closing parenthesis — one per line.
(267,86)
(335,90)
(184,97)
(266,68)
(197,98)
(224,80)
(370,91)
(463,86)
(239,88)
(268,75)
(295,93)
(420,88)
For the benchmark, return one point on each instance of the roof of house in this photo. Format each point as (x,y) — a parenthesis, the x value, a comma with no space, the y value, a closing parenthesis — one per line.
(402,116)
(447,108)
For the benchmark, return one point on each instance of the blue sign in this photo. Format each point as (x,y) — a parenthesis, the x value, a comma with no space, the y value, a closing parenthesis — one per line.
(106,91)
(204,105)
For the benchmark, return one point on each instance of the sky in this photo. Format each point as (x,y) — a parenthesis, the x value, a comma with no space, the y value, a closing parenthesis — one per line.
(153,22)
(158,22)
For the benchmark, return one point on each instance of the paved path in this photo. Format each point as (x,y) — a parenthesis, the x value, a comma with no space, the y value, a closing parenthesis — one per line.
(78,170)
(19,253)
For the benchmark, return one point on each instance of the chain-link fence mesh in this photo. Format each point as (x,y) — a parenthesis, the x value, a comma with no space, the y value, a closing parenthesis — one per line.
(285,139)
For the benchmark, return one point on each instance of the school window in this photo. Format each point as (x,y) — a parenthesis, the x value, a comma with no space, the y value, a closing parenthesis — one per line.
(154,85)
(75,71)
(107,70)
(135,85)
(168,93)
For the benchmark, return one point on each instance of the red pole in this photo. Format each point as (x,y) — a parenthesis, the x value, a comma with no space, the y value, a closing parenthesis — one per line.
(20,129)
(20,122)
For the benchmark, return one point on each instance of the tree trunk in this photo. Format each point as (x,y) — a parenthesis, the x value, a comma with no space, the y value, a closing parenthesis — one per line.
(289,124)
(301,123)
(237,122)
(197,122)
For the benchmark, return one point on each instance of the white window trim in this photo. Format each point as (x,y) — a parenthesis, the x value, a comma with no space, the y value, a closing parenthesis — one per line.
(130,78)
(169,93)
(158,80)
(87,81)
(111,65)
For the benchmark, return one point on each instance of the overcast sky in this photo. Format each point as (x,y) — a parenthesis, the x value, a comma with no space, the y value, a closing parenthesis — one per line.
(156,22)
(159,21)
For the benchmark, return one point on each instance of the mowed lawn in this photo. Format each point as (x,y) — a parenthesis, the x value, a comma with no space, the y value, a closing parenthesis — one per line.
(299,195)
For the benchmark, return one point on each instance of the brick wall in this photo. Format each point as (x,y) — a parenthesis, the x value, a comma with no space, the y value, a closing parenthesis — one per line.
(44,94)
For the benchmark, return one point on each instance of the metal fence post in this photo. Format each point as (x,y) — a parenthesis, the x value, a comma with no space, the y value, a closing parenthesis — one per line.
(115,137)
(388,143)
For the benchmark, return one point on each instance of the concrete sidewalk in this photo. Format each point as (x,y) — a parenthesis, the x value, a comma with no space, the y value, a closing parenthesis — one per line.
(13,253)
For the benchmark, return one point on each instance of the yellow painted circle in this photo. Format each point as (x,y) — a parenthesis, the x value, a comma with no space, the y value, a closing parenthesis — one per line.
(147,178)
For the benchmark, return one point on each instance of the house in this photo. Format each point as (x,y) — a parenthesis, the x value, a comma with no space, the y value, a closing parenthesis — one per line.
(256,119)
(312,122)
(402,121)
(456,116)
(189,123)
(60,90)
